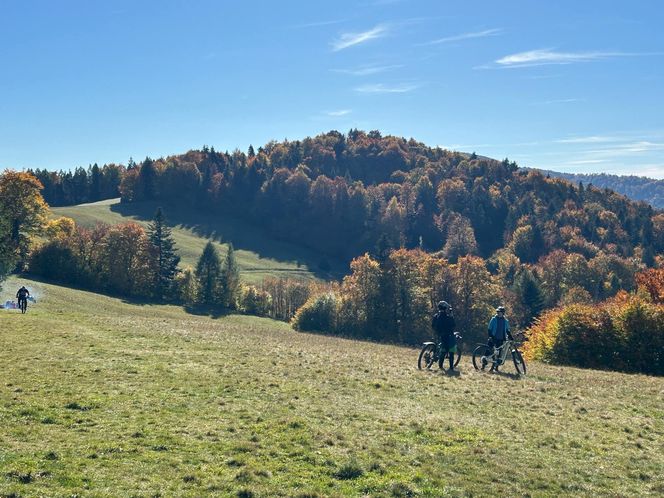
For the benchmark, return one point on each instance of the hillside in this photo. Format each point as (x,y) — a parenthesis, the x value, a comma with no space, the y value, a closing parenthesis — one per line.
(345,194)
(637,188)
(109,398)
(258,255)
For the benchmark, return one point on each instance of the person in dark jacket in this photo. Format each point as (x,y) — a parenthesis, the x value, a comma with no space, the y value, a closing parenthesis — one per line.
(22,294)
(443,325)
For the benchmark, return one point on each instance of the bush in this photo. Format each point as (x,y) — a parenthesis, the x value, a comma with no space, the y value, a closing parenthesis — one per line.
(317,315)
(254,301)
(626,334)
(56,261)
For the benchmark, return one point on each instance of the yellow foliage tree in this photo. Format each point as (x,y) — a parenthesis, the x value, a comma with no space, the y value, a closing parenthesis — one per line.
(22,209)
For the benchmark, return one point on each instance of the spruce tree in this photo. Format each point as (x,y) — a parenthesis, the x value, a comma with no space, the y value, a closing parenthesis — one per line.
(529,292)
(148,179)
(230,280)
(208,273)
(165,256)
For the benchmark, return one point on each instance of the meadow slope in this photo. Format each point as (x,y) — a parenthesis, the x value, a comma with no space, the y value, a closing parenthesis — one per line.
(257,254)
(100,397)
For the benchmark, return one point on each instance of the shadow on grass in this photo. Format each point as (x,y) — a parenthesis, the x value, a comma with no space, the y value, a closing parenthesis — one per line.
(243,234)
(136,301)
(508,375)
(207,311)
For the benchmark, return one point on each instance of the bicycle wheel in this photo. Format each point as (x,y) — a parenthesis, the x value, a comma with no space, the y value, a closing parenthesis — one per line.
(480,357)
(427,357)
(458,355)
(519,362)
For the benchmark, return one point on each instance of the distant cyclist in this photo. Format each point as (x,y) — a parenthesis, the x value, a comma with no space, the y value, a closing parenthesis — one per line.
(499,328)
(22,296)
(443,324)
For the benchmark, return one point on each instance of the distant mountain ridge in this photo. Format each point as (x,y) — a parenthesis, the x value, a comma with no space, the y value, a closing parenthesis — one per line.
(638,188)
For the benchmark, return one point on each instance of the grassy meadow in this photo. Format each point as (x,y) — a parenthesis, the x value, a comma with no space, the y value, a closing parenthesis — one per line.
(258,255)
(101,397)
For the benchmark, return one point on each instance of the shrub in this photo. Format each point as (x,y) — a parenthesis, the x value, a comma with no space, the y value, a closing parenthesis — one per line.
(254,301)
(55,260)
(317,314)
(626,333)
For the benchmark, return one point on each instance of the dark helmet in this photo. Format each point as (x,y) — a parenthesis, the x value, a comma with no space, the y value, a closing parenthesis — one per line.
(500,309)
(444,305)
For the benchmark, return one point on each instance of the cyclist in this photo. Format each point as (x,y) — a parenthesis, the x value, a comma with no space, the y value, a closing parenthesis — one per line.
(443,325)
(499,329)
(22,295)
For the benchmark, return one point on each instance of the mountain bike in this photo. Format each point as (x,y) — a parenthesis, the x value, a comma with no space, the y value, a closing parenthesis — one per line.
(23,304)
(431,353)
(485,355)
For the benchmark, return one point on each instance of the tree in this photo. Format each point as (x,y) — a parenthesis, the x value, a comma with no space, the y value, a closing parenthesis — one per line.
(187,286)
(23,211)
(230,280)
(164,255)
(7,255)
(95,176)
(125,265)
(530,295)
(148,180)
(208,273)
(460,239)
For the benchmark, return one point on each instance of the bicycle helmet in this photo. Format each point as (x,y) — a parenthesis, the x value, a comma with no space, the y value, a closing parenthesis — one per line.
(500,309)
(444,305)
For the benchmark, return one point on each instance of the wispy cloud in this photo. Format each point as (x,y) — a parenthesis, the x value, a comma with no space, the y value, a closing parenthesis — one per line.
(465,36)
(547,56)
(339,113)
(588,161)
(347,40)
(592,139)
(317,24)
(559,101)
(383,88)
(367,70)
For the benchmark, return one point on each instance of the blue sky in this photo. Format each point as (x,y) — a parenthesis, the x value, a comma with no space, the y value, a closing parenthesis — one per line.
(570,86)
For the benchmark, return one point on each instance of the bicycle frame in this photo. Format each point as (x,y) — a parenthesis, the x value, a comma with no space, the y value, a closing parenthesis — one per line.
(502,351)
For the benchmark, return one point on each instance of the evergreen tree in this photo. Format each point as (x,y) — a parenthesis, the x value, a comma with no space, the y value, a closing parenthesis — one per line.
(230,280)
(95,176)
(208,273)
(165,256)
(148,179)
(529,292)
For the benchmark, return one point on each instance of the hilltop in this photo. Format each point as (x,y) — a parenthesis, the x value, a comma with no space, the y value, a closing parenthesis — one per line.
(112,398)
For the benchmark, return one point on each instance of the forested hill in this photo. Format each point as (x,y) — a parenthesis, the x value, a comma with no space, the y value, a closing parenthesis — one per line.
(638,188)
(346,194)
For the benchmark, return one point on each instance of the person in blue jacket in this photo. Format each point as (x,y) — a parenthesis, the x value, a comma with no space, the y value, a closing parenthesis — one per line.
(499,328)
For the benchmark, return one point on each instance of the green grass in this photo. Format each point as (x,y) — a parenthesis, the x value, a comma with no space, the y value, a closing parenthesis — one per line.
(258,255)
(99,397)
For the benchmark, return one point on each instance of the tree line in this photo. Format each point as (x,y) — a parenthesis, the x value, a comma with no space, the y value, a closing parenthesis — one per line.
(344,195)
(638,188)
(66,188)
